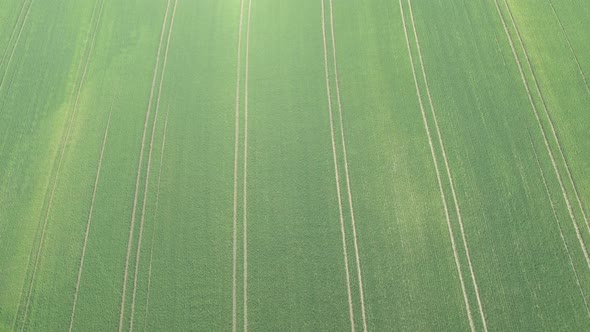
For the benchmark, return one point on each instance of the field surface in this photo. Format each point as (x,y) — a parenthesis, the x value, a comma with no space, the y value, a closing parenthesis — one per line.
(311,165)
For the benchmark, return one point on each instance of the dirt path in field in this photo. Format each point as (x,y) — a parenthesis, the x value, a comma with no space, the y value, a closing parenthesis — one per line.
(88,223)
(149,282)
(235,197)
(336,172)
(138,179)
(245,205)
(149,164)
(22,27)
(545,140)
(59,164)
(448,169)
(346,172)
(438,176)
(556,218)
(12,33)
(569,44)
(549,118)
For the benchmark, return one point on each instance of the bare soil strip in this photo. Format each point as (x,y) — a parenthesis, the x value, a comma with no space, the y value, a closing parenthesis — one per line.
(569,44)
(448,169)
(88,222)
(346,172)
(545,140)
(336,172)
(245,205)
(556,218)
(438,176)
(59,164)
(236,145)
(22,27)
(148,171)
(549,118)
(138,179)
(149,281)
(12,33)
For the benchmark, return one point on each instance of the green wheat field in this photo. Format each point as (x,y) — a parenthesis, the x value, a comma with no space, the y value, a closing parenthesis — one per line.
(310,165)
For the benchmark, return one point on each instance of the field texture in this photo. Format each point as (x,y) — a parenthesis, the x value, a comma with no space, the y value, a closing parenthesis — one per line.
(311,165)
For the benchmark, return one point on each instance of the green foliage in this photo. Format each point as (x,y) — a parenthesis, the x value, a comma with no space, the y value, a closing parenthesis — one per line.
(522,243)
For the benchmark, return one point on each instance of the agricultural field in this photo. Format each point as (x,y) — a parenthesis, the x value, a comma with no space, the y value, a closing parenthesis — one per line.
(311,165)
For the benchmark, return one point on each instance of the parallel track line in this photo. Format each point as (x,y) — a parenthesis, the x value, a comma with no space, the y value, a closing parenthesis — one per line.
(438,176)
(88,222)
(336,172)
(549,118)
(543,133)
(449,175)
(12,33)
(569,44)
(59,164)
(556,218)
(22,27)
(139,166)
(346,172)
(235,195)
(149,281)
(148,171)
(245,188)
(80,65)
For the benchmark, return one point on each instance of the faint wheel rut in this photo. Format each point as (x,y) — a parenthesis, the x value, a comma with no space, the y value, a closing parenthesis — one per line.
(235,193)
(88,223)
(140,163)
(58,170)
(556,218)
(12,33)
(149,164)
(245,188)
(15,45)
(346,172)
(570,46)
(544,135)
(149,282)
(438,176)
(549,118)
(336,172)
(449,174)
